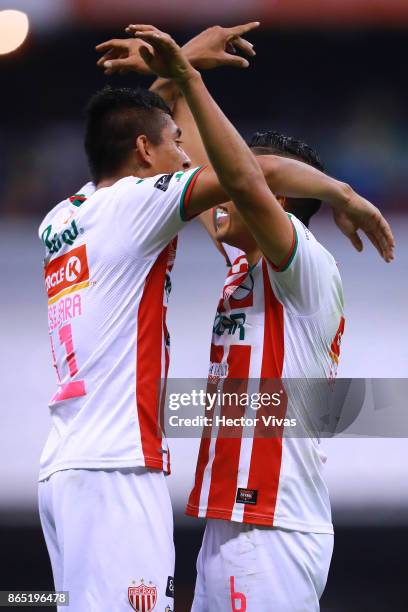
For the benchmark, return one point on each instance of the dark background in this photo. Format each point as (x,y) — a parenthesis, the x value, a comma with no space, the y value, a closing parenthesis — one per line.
(368,571)
(345,93)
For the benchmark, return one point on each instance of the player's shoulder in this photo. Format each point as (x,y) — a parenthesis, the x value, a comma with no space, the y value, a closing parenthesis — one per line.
(305,239)
(151,190)
(59,209)
(302,231)
(157,184)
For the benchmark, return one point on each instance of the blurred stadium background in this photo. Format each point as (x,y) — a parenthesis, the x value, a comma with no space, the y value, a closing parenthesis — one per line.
(331,72)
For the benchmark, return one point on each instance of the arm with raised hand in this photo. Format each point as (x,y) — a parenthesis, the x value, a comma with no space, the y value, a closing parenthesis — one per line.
(235,169)
(292,178)
(214,47)
(284,176)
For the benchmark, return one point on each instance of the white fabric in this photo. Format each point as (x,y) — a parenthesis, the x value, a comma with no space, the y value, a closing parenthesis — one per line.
(245,568)
(274,325)
(107,531)
(103,258)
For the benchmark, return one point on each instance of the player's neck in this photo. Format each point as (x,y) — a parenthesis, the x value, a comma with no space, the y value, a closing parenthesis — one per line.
(129,170)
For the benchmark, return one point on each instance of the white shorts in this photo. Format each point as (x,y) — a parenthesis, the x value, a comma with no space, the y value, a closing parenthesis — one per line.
(109,535)
(260,569)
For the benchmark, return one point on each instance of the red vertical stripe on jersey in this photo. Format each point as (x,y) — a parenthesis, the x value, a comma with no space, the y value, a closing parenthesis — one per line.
(149,361)
(164,385)
(217,354)
(266,455)
(224,471)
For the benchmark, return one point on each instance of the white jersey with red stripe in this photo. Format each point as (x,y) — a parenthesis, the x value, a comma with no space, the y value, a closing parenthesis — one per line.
(271,324)
(107,274)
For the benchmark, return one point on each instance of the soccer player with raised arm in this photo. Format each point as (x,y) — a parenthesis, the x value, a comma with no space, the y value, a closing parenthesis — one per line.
(104,503)
(269,537)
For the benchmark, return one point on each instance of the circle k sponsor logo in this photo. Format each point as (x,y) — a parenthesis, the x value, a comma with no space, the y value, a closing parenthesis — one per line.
(70,272)
(73,269)
(66,271)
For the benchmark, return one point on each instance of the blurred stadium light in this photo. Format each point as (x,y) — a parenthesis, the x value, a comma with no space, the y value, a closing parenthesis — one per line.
(309,13)
(13,30)
(43,14)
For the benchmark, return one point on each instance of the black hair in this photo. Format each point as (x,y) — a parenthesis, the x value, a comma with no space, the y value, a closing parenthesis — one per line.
(115,117)
(273,143)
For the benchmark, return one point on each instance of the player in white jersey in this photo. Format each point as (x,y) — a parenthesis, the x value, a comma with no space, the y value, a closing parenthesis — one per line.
(236,556)
(269,537)
(104,504)
(271,545)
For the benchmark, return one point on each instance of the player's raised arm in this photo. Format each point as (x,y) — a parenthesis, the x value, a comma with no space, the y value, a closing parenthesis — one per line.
(351,212)
(237,169)
(215,47)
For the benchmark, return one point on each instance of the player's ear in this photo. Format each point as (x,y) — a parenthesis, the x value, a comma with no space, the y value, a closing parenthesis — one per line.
(143,151)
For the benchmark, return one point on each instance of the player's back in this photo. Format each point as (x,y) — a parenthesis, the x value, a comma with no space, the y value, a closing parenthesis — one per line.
(107,275)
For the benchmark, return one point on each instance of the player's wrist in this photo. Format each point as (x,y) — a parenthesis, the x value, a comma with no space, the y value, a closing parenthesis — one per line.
(341,198)
(191,54)
(188,78)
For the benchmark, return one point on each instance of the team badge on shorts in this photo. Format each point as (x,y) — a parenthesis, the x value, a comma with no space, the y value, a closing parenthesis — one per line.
(142,598)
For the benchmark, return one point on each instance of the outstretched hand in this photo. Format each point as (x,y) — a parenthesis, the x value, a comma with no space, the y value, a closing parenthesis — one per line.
(162,54)
(121,55)
(150,51)
(218,46)
(214,47)
(360,214)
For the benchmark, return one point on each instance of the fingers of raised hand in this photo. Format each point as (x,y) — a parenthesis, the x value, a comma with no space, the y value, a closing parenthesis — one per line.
(243,29)
(108,44)
(146,53)
(388,236)
(112,49)
(244,45)
(117,64)
(376,243)
(356,241)
(150,34)
(101,61)
(382,237)
(235,60)
(132,27)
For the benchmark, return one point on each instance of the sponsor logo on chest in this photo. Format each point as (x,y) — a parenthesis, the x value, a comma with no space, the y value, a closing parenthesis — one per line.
(67,273)
(54,242)
(232,324)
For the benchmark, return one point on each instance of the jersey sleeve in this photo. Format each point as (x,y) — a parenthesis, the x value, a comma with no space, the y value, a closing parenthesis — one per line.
(154,210)
(304,281)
